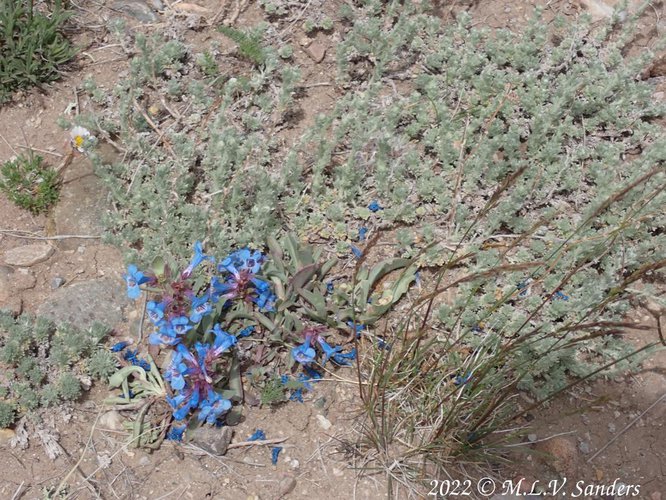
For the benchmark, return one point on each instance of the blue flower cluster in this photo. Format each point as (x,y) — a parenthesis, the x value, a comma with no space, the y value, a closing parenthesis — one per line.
(178,309)
(306,354)
(129,355)
(190,375)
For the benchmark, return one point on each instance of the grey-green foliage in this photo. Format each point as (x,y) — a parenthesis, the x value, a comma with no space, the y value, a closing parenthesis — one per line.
(44,364)
(469,133)
(217,163)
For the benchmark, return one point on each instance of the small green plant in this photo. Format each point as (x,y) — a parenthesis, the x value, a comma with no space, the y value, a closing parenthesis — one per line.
(7,414)
(30,183)
(46,365)
(273,391)
(249,44)
(33,46)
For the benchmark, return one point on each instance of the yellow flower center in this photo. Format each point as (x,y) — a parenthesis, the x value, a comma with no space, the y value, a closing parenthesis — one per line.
(78,141)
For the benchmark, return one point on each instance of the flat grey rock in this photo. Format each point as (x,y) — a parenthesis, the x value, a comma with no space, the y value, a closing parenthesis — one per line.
(83,304)
(138,9)
(214,440)
(82,205)
(28,255)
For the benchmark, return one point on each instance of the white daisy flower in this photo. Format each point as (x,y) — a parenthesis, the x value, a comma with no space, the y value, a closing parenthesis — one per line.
(81,138)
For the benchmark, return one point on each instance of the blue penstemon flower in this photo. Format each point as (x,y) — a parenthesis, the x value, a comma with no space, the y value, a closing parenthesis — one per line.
(201,307)
(212,408)
(155,311)
(305,353)
(191,377)
(241,280)
(176,431)
(197,259)
(335,354)
(374,206)
(119,346)
(181,325)
(134,279)
(257,435)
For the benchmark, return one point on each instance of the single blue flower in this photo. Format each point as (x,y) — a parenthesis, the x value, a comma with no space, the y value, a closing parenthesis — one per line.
(246,332)
(130,394)
(524,287)
(312,373)
(362,232)
(296,395)
(266,298)
(477,329)
(374,206)
(181,325)
(134,278)
(382,344)
(130,355)
(356,251)
(335,354)
(344,358)
(197,259)
(304,353)
(213,407)
(305,380)
(223,340)
(176,431)
(458,380)
(222,290)
(119,346)
(133,358)
(179,367)
(155,311)
(275,451)
(258,435)
(201,307)
(183,404)
(165,336)
(329,351)
(359,328)
(330,287)
(244,259)
(560,296)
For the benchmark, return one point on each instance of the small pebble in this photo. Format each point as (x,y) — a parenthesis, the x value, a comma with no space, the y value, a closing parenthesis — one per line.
(57,282)
(324,423)
(611,427)
(286,486)
(584,447)
(531,437)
